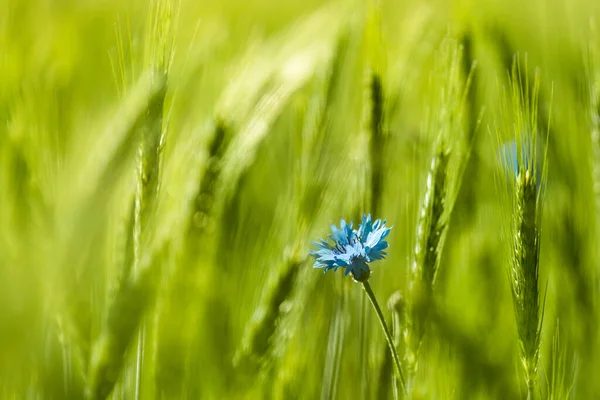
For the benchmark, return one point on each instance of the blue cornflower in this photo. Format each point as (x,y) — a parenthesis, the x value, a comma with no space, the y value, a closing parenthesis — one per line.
(514,159)
(352,249)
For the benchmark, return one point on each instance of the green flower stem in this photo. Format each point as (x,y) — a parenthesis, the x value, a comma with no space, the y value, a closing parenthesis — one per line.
(386,332)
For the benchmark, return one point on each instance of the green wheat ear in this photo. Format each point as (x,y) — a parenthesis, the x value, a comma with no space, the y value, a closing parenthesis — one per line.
(450,153)
(525,274)
(125,316)
(524,175)
(257,340)
(133,296)
(430,231)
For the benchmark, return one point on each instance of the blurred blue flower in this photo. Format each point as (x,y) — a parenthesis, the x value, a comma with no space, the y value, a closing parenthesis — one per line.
(352,248)
(514,159)
(510,160)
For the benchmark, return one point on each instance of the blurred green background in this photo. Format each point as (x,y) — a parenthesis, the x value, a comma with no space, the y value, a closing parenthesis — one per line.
(165,164)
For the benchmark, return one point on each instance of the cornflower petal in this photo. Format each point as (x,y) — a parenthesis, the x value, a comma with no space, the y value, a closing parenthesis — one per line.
(377,236)
(366,227)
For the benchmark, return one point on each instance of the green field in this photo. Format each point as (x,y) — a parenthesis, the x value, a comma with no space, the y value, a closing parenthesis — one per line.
(165,165)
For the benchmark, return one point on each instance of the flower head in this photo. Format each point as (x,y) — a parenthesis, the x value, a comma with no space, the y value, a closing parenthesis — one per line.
(515,159)
(352,249)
